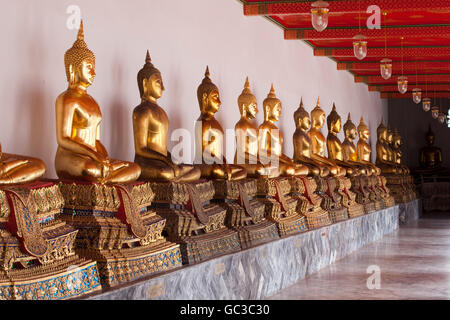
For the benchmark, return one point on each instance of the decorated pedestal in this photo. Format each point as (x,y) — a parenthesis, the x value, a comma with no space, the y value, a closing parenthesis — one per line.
(193,221)
(245,213)
(280,205)
(309,203)
(360,186)
(117,230)
(348,198)
(327,188)
(37,257)
(388,199)
(397,187)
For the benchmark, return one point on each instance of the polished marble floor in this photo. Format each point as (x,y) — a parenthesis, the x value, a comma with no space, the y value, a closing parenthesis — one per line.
(413,263)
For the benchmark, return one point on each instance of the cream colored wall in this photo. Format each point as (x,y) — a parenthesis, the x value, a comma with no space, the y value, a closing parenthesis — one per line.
(182,36)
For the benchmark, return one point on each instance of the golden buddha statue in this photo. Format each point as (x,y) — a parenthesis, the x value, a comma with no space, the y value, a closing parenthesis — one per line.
(209,136)
(397,142)
(334,145)
(247,137)
(271,139)
(19,169)
(363,148)
(80,154)
(302,144)
(430,157)
(150,126)
(318,142)
(350,152)
(384,152)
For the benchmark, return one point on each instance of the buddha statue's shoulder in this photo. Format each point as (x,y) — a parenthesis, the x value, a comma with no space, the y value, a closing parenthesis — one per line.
(145,109)
(267,125)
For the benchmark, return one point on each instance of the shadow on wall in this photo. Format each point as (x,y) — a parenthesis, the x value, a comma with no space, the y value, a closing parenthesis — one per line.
(412,123)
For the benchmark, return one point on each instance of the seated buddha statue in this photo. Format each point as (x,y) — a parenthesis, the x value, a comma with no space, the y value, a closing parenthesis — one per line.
(384,152)
(350,152)
(397,142)
(150,126)
(334,145)
(430,157)
(16,169)
(318,142)
(271,139)
(363,148)
(247,137)
(80,154)
(209,136)
(302,144)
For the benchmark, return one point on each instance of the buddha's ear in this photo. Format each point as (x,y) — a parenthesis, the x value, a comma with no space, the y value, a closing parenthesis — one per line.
(204,97)
(71,74)
(144,86)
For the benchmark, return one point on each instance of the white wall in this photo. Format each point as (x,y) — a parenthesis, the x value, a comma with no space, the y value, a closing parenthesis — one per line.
(182,36)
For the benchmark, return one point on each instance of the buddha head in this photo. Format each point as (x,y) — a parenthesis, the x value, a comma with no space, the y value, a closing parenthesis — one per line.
(430,136)
(389,135)
(334,121)
(208,96)
(382,132)
(247,102)
(301,118)
(350,129)
(363,130)
(80,62)
(397,139)
(317,116)
(272,106)
(149,81)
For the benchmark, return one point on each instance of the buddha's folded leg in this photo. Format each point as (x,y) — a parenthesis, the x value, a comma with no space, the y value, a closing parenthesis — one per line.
(188,173)
(237,172)
(128,172)
(74,166)
(152,169)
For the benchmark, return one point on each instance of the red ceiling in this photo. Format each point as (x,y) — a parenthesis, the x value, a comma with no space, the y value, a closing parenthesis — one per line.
(424,24)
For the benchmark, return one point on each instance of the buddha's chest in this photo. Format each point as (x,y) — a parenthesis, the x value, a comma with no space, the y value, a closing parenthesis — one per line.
(158,121)
(87,114)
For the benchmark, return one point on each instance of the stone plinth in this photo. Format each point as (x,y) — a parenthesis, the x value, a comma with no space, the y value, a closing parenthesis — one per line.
(262,271)
(410,211)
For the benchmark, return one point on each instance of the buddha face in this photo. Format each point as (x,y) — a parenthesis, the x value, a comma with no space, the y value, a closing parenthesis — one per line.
(336,126)
(275,112)
(317,119)
(351,133)
(364,134)
(430,139)
(84,74)
(305,123)
(153,87)
(251,110)
(211,102)
(389,137)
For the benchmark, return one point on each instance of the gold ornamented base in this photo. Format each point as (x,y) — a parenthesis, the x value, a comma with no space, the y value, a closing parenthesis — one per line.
(360,186)
(280,206)
(66,279)
(395,183)
(354,209)
(338,215)
(137,262)
(245,214)
(37,257)
(117,230)
(183,205)
(318,219)
(209,245)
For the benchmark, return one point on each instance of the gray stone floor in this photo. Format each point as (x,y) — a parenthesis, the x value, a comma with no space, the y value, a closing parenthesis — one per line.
(414,263)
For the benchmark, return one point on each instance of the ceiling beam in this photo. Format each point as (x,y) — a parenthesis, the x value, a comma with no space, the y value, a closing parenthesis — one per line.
(409,66)
(429,88)
(393,33)
(430,79)
(393,52)
(408,95)
(304,7)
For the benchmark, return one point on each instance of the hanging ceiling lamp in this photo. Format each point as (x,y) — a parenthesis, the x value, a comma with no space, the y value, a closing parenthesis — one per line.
(402,81)
(435,108)
(426,102)
(319,15)
(448,118)
(441,116)
(417,92)
(385,64)
(359,43)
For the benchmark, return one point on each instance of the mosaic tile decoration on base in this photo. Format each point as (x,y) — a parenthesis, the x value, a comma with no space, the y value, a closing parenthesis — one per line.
(117,230)
(37,257)
(193,221)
